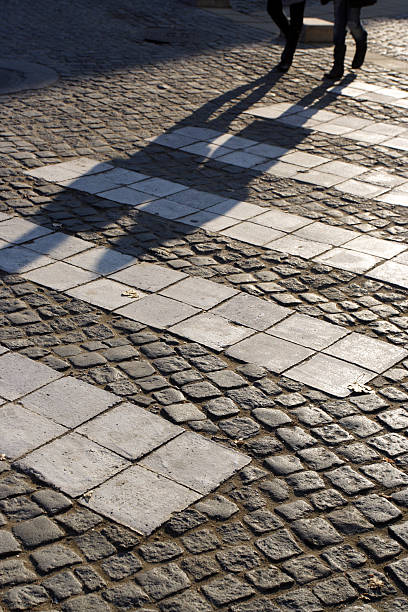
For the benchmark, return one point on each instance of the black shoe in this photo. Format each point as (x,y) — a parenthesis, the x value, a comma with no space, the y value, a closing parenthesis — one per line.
(287,56)
(359,56)
(283,66)
(338,66)
(335,73)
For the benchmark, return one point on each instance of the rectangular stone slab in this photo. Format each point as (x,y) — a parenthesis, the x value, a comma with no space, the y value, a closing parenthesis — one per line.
(130,430)
(72,464)
(329,374)
(140,499)
(195,462)
(69,401)
(21,430)
(20,375)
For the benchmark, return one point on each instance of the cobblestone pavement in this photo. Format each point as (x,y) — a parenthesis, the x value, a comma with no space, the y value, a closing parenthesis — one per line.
(318,519)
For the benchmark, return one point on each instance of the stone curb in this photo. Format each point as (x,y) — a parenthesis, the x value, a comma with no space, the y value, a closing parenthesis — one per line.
(28,76)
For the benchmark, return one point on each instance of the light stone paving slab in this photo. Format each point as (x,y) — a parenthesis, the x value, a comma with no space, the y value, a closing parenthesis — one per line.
(252,233)
(252,312)
(211,330)
(280,169)
(388,129)
(299,247)
(126,195)
(376,246)
(329,374)
(59,245)
(328,234)
(148,277)
(360,188)
(401,258)
(69,401)
(167,209)
(121,176)
(367,352)
(159,187)
(345,259)
(232,142)
(72,464)
(308,331)
(343,169)
(274,111)
(18,259)
(195,198)
(195,462)
(199,292)
(267,150)
(367,137)
(130,431)
(279,220)
(106,293)
(391,272)
(397,143)
(22,431)
(394,197)
(237,210)
(158,311)
(20,375)
(91,184)
(380,177)
(18,231)
(102,260)
(135,499)
(60,276)
(242,159)
(275,354)
(206,149)
(173,141)
(323,179)
(306,160)
(208,221)
(70,169)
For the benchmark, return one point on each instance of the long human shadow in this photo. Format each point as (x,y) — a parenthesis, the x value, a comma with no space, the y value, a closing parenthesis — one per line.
(191,170)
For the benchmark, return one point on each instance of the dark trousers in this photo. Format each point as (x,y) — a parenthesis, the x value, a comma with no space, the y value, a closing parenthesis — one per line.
(347,17)
(291,29)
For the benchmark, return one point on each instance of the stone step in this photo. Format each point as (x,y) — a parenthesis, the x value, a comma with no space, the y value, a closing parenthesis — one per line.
(317,30)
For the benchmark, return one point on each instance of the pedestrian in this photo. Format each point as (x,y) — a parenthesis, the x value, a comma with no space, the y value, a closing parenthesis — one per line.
(291,28)
(347,14)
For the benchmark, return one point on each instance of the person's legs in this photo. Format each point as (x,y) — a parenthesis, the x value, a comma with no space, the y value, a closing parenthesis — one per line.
(359,34)
(339,38)
(291,29)
(296,18)
(275,10)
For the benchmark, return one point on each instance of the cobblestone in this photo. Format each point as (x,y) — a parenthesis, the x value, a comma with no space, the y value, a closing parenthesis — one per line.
(95,110)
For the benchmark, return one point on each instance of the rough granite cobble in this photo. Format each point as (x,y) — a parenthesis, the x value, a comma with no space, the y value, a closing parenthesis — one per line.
(318,521)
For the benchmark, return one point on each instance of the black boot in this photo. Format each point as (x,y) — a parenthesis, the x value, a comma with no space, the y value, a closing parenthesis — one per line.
(337,70)
(361,50)
(288,52)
